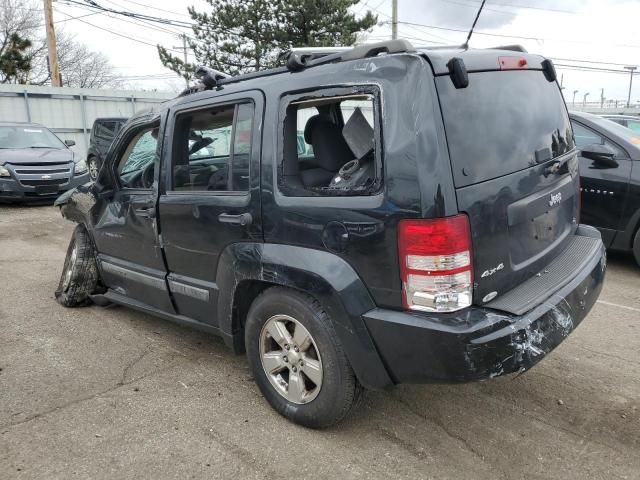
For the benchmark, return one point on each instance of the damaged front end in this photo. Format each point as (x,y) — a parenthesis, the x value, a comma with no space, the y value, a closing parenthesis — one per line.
(76,204)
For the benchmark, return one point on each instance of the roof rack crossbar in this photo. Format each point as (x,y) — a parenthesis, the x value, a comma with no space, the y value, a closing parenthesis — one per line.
(301,58)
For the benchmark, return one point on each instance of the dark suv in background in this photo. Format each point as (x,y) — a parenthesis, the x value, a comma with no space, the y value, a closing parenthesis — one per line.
(424,237)
(102,134)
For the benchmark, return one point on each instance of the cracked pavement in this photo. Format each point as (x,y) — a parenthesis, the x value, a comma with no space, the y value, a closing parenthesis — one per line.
(107,392)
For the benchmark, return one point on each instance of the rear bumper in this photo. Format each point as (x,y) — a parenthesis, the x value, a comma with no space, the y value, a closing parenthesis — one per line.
(480,343)
(12,190)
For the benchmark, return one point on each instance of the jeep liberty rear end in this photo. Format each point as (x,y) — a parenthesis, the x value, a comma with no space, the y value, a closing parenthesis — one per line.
(351,219)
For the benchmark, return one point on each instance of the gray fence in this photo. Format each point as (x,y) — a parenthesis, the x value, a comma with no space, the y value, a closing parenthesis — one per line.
(70,112)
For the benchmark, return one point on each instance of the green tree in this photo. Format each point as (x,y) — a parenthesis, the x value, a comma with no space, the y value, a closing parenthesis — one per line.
(15,63)
(239,36)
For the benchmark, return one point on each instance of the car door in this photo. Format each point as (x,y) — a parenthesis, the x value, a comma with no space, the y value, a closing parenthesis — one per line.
(211,195)
(604,186)
(126,228)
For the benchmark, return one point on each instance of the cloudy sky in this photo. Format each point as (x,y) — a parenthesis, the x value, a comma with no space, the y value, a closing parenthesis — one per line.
(600,34)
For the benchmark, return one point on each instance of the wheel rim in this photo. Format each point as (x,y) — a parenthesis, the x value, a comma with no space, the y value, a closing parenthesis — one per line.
(69,271)
(290,359)
(93,169)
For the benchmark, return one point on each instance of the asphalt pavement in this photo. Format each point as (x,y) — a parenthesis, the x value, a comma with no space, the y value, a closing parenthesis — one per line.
(107,392)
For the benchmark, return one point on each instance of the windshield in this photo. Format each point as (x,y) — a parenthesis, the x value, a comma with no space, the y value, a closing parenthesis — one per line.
(19,137)
(503,122)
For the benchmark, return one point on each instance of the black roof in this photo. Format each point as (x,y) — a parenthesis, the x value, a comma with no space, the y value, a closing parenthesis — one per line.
(111,119)
(438,57)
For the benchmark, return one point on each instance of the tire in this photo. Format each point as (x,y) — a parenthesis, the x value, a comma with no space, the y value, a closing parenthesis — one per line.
(79,276)
(93,168)
(319,405)
(636,247)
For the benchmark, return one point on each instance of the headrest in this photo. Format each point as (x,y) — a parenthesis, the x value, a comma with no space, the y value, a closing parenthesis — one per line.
(308,129)
(329,147)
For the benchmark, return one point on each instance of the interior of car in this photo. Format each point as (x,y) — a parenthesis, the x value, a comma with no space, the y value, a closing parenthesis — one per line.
(329,146)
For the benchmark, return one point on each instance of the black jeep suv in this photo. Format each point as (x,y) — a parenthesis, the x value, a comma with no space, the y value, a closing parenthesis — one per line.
(428,232)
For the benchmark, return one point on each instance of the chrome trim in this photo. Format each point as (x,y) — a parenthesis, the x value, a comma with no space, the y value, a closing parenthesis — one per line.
(188,290)
(129,274)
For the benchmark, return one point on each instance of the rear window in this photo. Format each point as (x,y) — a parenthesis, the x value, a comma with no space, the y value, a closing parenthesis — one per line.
(502,122)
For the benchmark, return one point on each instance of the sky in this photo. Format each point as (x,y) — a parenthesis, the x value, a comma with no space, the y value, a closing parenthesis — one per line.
(584,33)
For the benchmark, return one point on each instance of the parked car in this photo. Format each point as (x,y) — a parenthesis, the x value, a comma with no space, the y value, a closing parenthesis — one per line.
(35,164)
(629,121)
(610,175)
(102,134)
(434,240)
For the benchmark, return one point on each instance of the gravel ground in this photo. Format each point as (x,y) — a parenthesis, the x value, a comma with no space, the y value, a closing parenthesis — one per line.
(106,392)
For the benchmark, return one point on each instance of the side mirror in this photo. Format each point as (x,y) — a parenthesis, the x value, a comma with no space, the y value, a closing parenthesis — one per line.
(602,155)
(69,143)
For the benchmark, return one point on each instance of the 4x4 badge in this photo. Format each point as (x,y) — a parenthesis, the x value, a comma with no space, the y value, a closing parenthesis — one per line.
(491,271)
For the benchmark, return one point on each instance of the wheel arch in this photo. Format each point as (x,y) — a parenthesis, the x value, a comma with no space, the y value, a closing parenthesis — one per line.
(247,269)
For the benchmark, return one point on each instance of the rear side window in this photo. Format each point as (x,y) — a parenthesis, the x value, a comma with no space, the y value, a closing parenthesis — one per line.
(503,122)
(331,144)
(212,149)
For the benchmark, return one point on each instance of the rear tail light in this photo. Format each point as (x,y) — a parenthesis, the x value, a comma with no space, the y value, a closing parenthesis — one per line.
(435,264)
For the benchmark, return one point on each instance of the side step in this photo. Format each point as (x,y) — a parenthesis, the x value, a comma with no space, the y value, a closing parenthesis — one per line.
(114,297)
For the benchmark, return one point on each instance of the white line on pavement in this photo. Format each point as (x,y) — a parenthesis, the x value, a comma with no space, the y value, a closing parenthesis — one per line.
(633,309)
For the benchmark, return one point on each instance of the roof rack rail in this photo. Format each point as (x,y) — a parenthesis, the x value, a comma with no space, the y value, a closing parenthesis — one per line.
(514,48)
(301,58)
(209,78)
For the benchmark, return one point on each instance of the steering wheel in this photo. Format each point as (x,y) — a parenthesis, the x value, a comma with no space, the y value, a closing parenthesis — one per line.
(147,176)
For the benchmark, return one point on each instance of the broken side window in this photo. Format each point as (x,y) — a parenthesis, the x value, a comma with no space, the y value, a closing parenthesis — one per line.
(330,146)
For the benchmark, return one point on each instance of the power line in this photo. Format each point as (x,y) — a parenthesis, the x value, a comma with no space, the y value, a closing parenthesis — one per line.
(501,35)
(158,8)
(115,33)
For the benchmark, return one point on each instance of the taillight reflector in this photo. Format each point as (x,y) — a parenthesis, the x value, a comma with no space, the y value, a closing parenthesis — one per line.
(435,263)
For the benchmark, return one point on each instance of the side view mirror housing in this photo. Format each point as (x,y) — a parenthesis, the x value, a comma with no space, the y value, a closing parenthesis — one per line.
(602,155)
(69,143)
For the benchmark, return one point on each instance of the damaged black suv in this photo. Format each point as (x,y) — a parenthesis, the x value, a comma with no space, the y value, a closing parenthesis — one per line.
(361,218)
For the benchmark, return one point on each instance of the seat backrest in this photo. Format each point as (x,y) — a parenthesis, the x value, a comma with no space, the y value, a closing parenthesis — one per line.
(329,146)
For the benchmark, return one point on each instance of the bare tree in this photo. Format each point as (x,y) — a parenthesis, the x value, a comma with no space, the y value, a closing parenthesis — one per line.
(80,67)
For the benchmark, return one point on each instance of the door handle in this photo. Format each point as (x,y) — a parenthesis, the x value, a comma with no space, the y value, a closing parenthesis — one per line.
(146,212)
(242,219)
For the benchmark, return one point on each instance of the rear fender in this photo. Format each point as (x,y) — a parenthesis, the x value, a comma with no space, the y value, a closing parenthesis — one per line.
(326,277)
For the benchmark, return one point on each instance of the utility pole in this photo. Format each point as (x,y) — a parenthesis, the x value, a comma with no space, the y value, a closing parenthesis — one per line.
(601,98)
(631,70)
(54,67)
(394,19)
(184,49)
(573,102)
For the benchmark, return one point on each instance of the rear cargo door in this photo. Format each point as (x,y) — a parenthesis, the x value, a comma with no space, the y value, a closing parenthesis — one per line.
(515,170)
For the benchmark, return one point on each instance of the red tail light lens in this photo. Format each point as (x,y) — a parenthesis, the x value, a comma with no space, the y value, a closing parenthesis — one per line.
(435,263)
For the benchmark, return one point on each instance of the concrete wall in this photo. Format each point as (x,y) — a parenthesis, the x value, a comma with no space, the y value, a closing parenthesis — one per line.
(70,112)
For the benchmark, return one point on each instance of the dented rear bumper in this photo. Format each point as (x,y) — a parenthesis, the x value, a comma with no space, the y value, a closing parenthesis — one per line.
(481,343)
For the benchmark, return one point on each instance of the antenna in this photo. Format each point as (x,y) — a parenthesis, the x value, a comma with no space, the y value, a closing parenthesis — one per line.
(466,43)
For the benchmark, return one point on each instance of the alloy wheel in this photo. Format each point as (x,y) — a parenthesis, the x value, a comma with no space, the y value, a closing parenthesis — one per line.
(290,359)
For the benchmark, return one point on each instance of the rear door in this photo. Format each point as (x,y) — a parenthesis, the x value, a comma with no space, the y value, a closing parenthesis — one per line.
(515,170)
(211,197)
